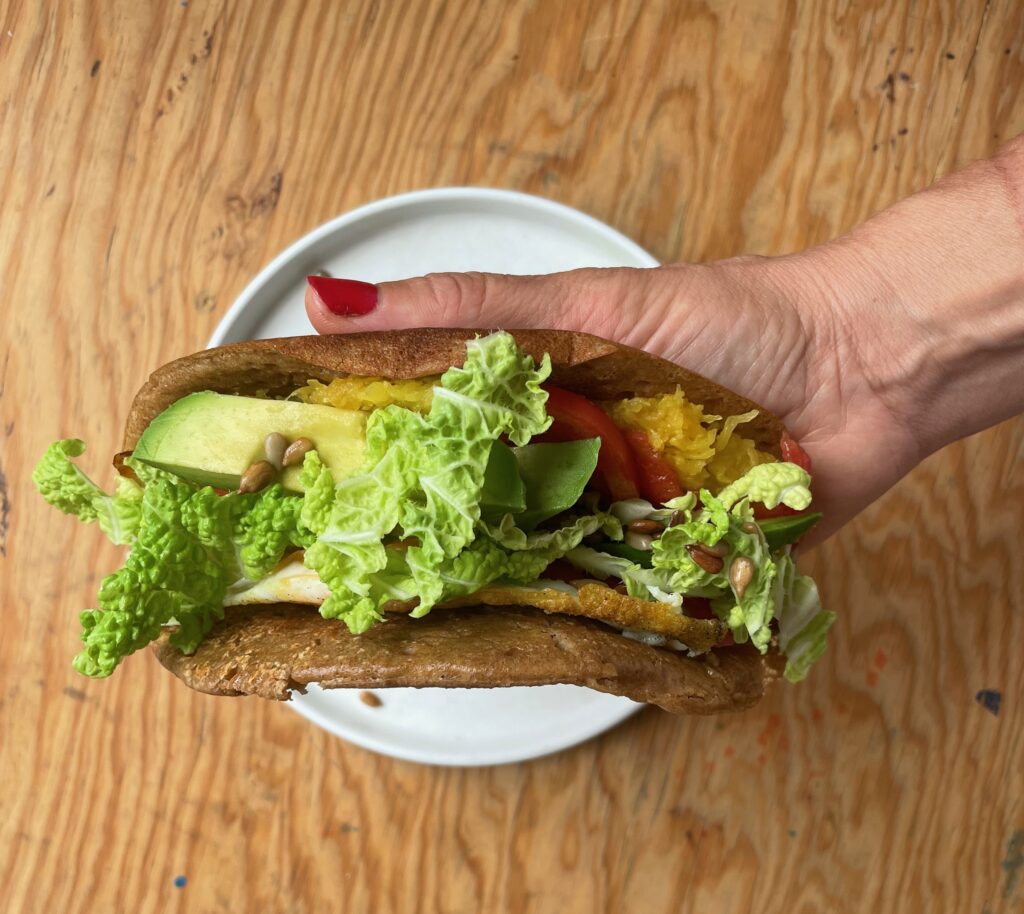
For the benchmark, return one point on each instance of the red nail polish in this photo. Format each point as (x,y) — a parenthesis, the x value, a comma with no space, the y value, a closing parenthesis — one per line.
(347,297)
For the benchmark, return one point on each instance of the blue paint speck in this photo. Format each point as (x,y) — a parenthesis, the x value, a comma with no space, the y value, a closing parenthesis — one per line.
(179,882)
(989,699)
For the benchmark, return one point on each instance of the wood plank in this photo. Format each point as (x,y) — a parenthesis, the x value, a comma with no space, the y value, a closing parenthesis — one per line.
(156,155)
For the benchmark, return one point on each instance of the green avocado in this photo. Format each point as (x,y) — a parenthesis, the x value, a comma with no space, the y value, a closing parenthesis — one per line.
(210,438)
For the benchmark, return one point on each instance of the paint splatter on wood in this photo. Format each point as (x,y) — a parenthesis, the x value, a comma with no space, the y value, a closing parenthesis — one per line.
(990,699)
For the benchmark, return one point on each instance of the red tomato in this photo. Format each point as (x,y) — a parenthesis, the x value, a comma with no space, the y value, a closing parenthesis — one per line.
(658,479)
(791,453)
(698,608)
(575,418)
(763,513)
(561,570)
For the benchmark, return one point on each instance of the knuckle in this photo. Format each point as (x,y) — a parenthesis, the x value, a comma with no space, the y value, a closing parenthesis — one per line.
(602,301)
(457,297)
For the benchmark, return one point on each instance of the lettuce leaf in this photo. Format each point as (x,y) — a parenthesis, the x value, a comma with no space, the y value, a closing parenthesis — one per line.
(771,484)
(248,532)
(528,558)
(188,545)
(554,476)
(422,478)
(68,489)
(512,558)
(803,624)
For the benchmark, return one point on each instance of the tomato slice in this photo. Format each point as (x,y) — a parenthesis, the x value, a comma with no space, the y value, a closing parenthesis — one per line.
(793,453)
(763,513)
(575,418)
(659,481)
(562,570)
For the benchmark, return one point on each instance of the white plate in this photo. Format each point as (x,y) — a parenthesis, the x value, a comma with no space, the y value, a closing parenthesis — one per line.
(454,228)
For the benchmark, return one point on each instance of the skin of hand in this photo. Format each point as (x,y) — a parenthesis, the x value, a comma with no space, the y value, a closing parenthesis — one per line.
(875,349)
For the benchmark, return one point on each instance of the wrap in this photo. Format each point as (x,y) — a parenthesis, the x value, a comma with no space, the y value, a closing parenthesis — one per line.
(525,636)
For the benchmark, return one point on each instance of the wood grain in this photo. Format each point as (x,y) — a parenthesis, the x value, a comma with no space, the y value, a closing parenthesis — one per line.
(156,155)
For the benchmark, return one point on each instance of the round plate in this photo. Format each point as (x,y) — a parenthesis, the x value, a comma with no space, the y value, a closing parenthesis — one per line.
(458,228)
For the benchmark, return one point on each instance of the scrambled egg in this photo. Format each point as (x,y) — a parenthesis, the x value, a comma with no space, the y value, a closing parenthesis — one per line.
(704,449)
(368,394)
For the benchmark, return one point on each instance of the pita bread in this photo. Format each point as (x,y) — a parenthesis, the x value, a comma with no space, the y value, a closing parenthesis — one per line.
(268,650)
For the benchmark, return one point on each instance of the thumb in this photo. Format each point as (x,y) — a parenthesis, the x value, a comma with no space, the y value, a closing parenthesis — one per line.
(606,302)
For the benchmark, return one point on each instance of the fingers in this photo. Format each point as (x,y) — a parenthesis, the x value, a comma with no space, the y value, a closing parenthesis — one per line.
(597,301)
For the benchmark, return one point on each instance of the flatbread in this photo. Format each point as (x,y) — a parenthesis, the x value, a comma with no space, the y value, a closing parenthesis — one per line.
(586,364)
(268,650)
(272,650)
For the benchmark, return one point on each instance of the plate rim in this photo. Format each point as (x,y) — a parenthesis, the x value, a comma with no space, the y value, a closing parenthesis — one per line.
(411,198)
(245,300)
(443,760)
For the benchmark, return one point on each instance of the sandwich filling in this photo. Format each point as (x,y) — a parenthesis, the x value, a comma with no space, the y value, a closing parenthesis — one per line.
(486,485)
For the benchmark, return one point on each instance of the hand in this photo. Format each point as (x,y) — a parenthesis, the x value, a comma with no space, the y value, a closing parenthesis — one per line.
(836,340)
(749,324)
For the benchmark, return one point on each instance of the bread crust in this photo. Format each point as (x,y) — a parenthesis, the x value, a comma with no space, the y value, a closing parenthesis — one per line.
(270,651)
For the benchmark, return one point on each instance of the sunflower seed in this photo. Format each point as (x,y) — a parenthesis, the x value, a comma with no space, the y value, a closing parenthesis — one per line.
(741,571)
(296,451)
(651,527)
(256,477)
(274,447)
(712,564)
(639,540)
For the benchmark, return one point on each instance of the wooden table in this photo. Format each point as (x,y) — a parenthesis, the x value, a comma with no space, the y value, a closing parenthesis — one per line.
(155,155)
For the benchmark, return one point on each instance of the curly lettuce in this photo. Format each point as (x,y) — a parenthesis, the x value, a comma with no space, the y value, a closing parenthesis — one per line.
(68,489)
(188,546)
(423,477)
(803,624)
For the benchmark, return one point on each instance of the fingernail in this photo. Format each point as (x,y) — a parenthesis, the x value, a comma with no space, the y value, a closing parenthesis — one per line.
(347,297)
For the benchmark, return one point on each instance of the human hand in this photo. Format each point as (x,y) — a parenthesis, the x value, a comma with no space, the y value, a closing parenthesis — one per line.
(837,341)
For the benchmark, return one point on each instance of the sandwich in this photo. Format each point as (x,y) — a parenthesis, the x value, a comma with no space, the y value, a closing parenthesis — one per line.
(451,508)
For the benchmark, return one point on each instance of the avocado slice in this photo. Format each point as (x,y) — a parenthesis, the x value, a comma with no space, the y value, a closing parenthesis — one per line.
(211,439)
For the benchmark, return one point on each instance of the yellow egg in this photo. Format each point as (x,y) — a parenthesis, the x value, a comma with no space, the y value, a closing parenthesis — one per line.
(368,394)
(704,449)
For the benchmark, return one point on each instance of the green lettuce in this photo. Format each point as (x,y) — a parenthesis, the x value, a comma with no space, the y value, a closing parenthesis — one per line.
(803,624)
(771,484)
(248,532)
(529,556)
(188,546)
(67,488)
(422,478)
(775,590)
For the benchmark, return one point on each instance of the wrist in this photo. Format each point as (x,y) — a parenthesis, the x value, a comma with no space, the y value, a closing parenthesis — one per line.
(927,299)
